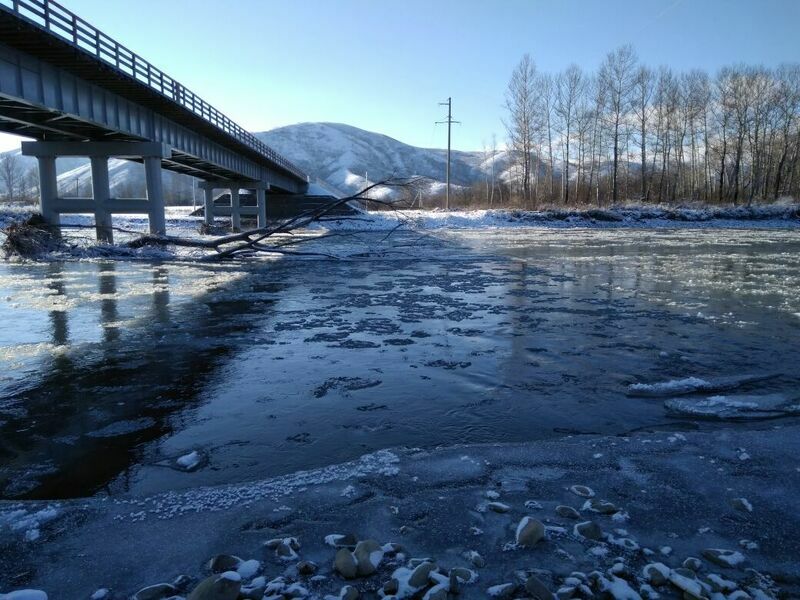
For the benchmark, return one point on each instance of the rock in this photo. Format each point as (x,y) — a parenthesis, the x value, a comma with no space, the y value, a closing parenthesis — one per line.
(368,555)
(224,562)
(101,594)
(742,504)
(719,584)
(529,532)
(656,573)
(589,530)
(437,593)
(225,586)
(182,582)
(307,567)
(693,564)
(537,589)
(503,591)
(600,506)
(345,564)
(475,559)
(348,592)
(419,577)
(391,587)
(567,512)
(463,575)
(156,592)
(498,507)
(492,494)
(724,558)
(338,540)
(689,585)
(248,569)
(582,491)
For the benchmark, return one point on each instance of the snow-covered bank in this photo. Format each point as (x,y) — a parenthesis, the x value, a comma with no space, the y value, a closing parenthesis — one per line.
(757,216)
(629,517)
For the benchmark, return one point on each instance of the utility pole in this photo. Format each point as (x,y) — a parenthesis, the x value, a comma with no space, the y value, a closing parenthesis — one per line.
(449,122)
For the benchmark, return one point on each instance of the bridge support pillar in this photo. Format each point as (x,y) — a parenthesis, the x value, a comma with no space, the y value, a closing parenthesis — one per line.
(155,195)
(208,206)
(101,194)
(48,189)
(236,214)
(261,200)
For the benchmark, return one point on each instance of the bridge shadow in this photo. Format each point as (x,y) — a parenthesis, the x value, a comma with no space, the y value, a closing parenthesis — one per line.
(87,418)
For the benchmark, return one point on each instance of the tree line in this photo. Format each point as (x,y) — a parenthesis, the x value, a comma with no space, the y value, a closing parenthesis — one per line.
(632,133)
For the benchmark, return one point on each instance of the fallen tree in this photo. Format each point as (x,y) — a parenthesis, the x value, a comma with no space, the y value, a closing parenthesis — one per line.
(33,237)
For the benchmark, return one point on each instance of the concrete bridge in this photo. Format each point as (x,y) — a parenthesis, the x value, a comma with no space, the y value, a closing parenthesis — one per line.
(78,92)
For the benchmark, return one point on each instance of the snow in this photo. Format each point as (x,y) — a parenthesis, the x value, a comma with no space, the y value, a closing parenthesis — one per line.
(189,461)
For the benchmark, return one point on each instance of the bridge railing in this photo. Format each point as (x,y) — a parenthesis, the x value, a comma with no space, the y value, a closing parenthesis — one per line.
(54,18)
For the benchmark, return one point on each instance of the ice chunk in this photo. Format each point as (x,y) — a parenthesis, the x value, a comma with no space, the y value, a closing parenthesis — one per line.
(734,408)
(693,385)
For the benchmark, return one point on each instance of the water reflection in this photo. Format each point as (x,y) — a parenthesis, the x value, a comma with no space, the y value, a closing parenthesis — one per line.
(94,404)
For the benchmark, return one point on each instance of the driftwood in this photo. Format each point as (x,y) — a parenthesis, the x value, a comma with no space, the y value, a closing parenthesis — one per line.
(255,240)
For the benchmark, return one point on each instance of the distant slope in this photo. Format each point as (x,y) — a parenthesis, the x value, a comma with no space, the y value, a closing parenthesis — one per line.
(344,155)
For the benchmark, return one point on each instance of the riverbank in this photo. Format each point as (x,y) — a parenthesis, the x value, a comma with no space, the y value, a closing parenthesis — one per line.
(672,512)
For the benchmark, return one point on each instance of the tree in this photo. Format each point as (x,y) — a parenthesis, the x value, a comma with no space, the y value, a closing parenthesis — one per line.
(643,94)
(616,78)
(11,173)
(521,101)
(570,88)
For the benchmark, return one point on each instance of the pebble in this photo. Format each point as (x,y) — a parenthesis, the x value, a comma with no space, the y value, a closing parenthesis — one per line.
(338,540)
(498,507)
(101,594)
(503,591)
(155,592)
(368,555)
(248,569)
(529,531)
(724,558)
(348,592)
(742,504)
(582,491)
(223,586)
(600,506)
(345,563)
(693,563)
(307,567)
(475,559)
(537,589)
(567,512)
(419,577)
(589,530)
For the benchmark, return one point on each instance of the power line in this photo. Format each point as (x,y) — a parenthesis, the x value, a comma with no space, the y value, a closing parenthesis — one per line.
(449,122)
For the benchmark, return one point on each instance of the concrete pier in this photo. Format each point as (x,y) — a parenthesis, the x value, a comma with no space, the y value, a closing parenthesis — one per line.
(101,204)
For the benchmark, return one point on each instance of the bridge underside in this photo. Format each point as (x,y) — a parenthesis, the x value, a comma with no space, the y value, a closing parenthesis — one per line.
(79,93)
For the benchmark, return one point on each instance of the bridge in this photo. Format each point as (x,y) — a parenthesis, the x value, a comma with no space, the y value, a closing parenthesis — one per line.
(78,92)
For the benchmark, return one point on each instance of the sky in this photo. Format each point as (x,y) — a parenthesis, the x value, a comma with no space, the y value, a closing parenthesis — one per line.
(385,65)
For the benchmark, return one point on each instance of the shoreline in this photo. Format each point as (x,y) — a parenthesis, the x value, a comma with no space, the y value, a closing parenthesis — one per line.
(445,504)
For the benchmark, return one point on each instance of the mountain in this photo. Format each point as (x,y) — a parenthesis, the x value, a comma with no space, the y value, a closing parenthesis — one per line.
(344,156)
(340,155)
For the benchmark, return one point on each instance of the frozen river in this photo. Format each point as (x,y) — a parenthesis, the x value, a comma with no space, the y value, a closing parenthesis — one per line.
(113,370)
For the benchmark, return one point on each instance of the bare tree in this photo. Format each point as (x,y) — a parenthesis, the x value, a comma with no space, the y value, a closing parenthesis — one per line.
(643,94)
(616,77)
(521,101)
(11,173)
(570,88)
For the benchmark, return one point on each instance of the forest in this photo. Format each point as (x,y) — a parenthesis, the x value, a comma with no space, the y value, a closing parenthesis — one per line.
(632,133)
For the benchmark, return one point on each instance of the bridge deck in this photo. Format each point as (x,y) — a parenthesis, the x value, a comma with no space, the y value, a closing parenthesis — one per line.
(48,32)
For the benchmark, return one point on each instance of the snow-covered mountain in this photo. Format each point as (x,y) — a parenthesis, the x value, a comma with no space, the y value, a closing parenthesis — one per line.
(346,156)
(341,155)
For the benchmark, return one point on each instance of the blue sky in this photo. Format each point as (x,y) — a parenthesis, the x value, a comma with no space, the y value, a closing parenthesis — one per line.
(384,66)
